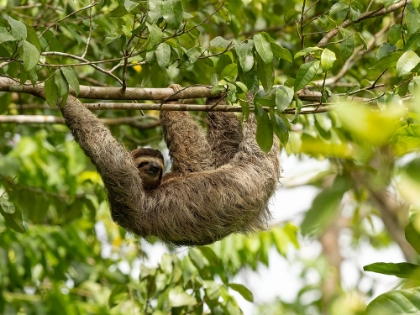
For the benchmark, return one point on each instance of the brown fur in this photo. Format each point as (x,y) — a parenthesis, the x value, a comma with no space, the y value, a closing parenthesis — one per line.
(218,185)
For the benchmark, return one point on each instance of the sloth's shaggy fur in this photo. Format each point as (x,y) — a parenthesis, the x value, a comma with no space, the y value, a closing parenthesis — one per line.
(220,184)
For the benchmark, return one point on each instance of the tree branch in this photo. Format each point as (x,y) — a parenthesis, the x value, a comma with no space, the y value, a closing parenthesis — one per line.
(42,119)
(113,93)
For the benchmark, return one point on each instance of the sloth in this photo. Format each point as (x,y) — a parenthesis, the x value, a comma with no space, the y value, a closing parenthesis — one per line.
(220,182)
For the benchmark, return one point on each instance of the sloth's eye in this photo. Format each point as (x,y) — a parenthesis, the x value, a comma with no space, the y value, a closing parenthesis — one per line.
(142,164)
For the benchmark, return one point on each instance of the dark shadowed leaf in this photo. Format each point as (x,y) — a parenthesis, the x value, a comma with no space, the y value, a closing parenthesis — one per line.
(264,132)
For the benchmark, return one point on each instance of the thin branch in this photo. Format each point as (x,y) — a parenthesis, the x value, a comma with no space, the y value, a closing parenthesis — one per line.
(66,17)
(93,65)
(90,33)
(367,15)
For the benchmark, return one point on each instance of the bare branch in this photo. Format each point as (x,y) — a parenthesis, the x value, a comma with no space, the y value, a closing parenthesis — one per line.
(112,93)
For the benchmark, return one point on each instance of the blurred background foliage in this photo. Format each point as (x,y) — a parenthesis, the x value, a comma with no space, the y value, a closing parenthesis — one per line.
(348,67)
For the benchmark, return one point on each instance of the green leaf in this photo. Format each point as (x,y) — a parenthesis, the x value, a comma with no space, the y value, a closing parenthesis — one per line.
(230,72)
(264,132)
(412,18)
(396,302)
(242,290)
(173,13)
(12,214)
(118,12)
(32,37)
(263,48)
(327,59)
(155,37)
(193,54)
(308,51)
(339,6)
(18,28)
(118,294)
(51,92)
(306,73)
(281,239)
(197,258)
(347,44)
(245,56)
(212,291)
(265,74)
(284,97)
(177,298)
(30,55)
(6,37)
(71,78)
(323,126)
(406,139)
(163,55)
(407,62)
(281,52)
(384,50)
(242,86)
(409,182)
(110,39)
(7,206)
(388,61)
(209,254)
(154,10)
(412,233)
(400,270)
(325,207)
(219,41)
(363,123)
(262,99)
(354,14)
(412,43)
(291,15)
(281,127)
(395,33)
(61,83)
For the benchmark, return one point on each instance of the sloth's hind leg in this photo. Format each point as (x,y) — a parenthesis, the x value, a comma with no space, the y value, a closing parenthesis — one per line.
(224,134)
(187,144)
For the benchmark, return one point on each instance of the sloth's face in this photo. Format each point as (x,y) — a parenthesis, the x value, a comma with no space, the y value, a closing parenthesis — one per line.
(150,170)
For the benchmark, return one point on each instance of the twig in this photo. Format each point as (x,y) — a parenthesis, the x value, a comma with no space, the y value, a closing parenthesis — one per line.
(88,63)
(67,16)
(90,33)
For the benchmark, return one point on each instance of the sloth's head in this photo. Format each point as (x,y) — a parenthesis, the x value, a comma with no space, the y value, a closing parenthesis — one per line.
(149,163)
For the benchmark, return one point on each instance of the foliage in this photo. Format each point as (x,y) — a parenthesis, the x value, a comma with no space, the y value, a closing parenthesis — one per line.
(334,80)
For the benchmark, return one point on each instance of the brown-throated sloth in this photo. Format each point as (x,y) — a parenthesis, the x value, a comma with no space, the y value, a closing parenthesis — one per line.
(219,184)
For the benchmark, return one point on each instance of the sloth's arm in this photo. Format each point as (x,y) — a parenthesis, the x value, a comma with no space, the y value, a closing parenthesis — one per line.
(111,159)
